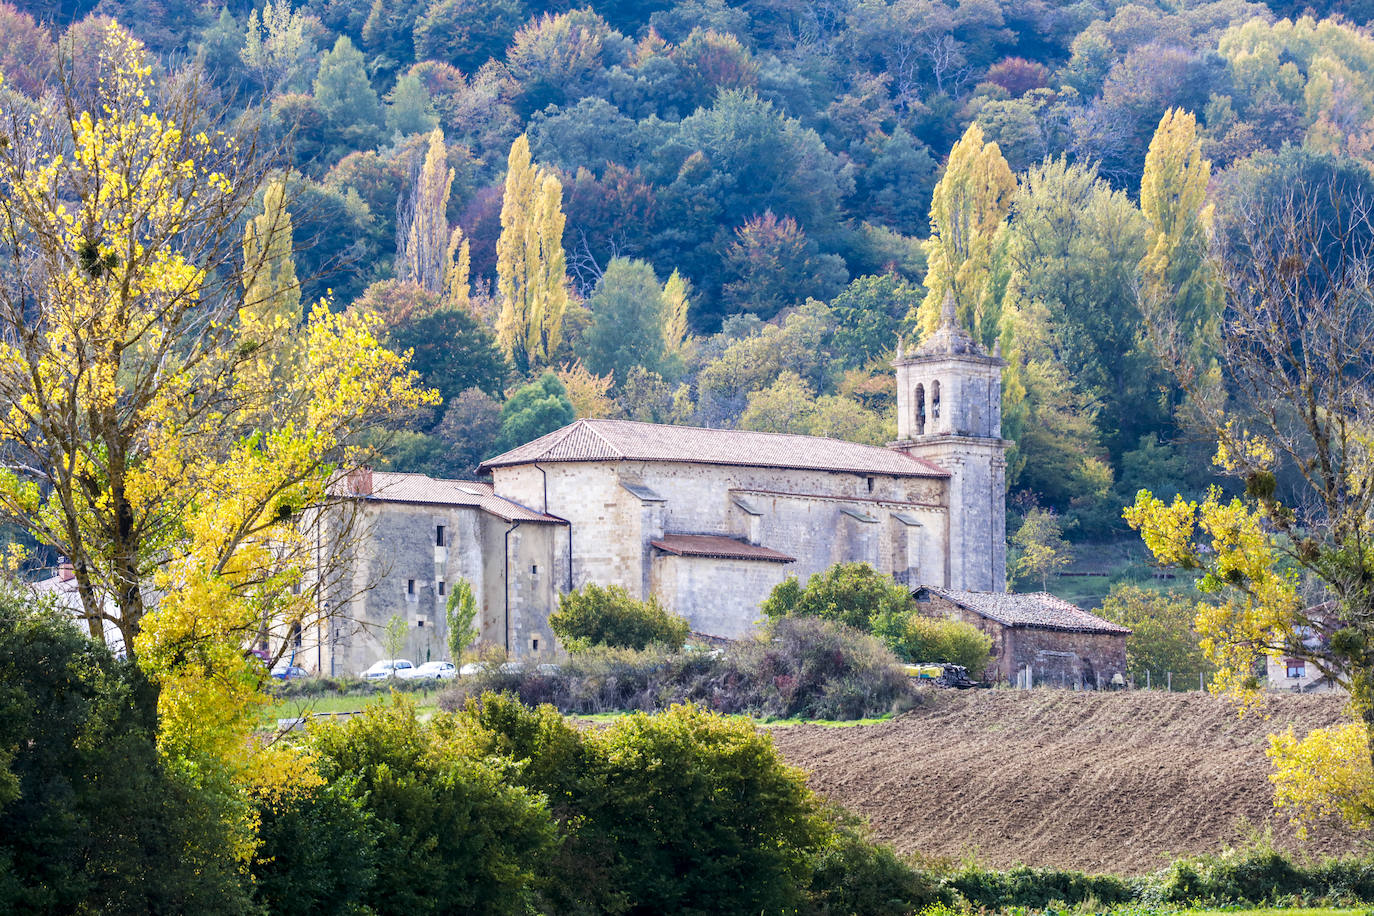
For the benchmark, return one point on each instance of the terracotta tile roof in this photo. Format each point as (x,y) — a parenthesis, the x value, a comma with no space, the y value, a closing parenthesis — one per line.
(719,547)
(625,440)
(1036,609)
(389,486)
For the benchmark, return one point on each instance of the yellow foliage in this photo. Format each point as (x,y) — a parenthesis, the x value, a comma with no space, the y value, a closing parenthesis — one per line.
(531,279)
(176,456)
(588,393)
(968,215)
(1326,773)
(1236,554)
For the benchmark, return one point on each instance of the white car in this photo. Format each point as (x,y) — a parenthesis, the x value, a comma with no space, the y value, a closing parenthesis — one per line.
(435,671)
(390,667)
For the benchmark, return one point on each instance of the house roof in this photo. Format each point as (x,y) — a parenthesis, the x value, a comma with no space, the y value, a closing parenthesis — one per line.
(625,440)
(717,547)
(393,487)
(1035,609)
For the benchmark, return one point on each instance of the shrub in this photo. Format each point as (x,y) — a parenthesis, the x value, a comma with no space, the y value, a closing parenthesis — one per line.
(917,638)
(797,667)
(1036,888)
(851,874)
(595,616)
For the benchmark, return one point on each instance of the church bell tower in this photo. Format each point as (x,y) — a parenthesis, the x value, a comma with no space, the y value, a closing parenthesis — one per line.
(949,412)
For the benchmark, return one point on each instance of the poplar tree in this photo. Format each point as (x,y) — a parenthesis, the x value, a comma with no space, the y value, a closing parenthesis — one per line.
(1174,271)
(271,309)
(675,308)
(423,243)
(531,280)
(968,215)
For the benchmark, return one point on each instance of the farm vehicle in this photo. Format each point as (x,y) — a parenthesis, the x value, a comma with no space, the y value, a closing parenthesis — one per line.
(940,674)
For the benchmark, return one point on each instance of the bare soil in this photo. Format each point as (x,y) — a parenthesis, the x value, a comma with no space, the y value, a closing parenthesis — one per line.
(1102,782)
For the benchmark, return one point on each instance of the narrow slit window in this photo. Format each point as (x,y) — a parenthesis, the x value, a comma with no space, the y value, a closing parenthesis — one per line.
(535,644)
(438,535)
(441,588)
(410,586)
(534,570)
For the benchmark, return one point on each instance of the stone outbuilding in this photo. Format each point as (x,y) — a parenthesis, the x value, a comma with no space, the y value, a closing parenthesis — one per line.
(1062,645)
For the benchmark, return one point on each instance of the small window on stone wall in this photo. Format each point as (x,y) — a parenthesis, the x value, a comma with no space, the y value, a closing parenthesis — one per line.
(410,586)
(1297,669)
(438,535)
(534,570)
(534,644)
(441,588)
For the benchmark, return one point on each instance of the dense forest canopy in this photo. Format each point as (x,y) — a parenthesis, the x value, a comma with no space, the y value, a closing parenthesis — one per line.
(728,213)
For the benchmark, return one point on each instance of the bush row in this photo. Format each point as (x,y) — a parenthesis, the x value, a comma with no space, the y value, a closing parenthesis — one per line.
(1257,875)
(797,667)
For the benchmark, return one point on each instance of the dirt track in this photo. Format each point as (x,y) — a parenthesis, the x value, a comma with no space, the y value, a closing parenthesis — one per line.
(1101,782)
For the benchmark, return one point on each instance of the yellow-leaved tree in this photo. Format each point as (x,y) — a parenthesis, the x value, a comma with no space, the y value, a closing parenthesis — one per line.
(532,283)
(1175,273)
(968,215)
(171,420)
(1288,565)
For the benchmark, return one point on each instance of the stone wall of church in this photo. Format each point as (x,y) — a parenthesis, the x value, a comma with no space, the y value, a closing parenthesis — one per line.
(718,597)
(820,518)
(397,568)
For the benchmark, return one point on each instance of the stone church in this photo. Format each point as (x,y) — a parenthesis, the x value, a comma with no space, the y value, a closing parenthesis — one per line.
(706,520)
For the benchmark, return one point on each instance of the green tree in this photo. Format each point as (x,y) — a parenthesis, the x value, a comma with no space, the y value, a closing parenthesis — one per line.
(394,635)
(272,295)
(452,351)
(628,321)
(276,50)
(868,316)
(92,819)
(854,594)
(345,98)
(317,852)
(461,616)
(410,110)
(531,282)
(1039,548)
(773,265)
(467,32)
(596,616)
(699,800)
(452,835)
(538,408)
(1162,636)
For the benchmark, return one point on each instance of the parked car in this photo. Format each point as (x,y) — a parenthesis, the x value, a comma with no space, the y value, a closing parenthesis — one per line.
(289,672)
(472,668)
(435,671)
(390,667)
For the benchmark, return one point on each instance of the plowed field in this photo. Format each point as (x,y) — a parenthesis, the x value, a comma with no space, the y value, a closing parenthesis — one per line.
(1101,782)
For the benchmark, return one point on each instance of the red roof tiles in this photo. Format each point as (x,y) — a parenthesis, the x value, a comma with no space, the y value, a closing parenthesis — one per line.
(718,547)
(389,486)
(625,440)
(1035,609)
